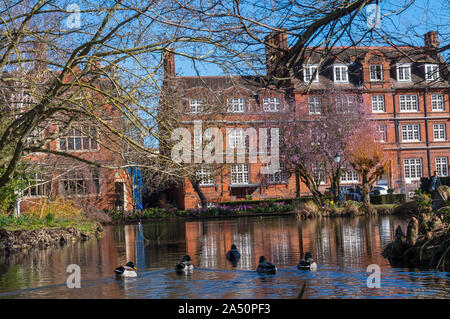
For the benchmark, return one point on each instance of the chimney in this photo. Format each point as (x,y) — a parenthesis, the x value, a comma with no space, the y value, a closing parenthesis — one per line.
(40,54)
(276,44)
(431,39)
(169,63)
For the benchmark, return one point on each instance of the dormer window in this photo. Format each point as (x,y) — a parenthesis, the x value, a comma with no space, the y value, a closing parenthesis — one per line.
(431,72)
(404,72)
(340,73)
(196,105)
(376,72)
(236,105)
(271,104)
(309,72)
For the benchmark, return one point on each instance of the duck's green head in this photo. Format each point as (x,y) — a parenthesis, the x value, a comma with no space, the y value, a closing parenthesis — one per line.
(262,259)
(308,255)
(187,258)
(131,265)
(233,246)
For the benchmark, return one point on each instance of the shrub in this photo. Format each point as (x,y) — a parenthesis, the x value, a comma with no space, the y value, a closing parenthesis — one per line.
(387,199)
(351,208)
(390,191)
(59,209)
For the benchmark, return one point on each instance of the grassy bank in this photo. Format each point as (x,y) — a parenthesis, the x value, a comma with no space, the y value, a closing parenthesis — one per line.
(28,222)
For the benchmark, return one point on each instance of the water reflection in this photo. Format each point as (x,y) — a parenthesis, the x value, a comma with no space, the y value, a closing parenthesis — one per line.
(342,247)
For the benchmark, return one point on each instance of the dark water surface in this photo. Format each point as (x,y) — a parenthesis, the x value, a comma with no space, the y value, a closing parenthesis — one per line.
(342,247)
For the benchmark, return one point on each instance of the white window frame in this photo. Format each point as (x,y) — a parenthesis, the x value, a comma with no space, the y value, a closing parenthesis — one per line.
(378,104)
(412,168)
(410,133)
(375,72)
(439,132)
(343,70)
(316,103)
(349,176)
(236,105)
(441,166)
(204,173)
(407,101)
(38,187)
(437,102)
(237,138)
(76,133)
(240,174)
(197,105)
(406,66)
(382,132)
(433,74)
(278,177)
(308,72)
(272,104)
(345,104)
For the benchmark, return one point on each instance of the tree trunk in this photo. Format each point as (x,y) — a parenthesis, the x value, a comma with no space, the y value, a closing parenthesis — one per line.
(199,192)
(365,189)
(297,185)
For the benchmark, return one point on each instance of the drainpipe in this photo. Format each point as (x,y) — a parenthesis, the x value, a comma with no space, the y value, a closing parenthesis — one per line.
(426,130)
(397,140)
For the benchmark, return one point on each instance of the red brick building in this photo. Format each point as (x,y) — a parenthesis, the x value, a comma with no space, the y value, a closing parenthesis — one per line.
(409,95)
(60,176)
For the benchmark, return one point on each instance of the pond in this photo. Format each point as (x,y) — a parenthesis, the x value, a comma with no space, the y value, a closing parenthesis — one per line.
(342,247)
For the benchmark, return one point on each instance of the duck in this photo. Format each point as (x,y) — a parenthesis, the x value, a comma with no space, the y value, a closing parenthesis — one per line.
(307,262)
(129,270)
(265,267)
(185,265)
(233,253)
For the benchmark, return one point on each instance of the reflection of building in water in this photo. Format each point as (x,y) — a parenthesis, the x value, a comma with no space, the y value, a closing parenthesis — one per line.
(245,246)
(130,243)
(385,231)
(323,243)
(353,243)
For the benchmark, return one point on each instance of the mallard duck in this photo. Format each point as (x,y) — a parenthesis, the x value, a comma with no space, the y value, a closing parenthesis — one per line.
(184,265)
(266,267)
(307,262)
(233,253)
(129,270)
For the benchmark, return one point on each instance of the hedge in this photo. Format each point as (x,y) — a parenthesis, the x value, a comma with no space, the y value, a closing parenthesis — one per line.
(268,201)
(387,199)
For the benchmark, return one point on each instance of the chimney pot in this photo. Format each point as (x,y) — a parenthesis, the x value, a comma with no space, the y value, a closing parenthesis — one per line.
(431,39)
(276,43)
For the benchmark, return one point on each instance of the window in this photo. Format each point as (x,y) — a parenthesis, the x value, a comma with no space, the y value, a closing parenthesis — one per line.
(315,105)
(413,168)
(439,132)
(319,173)
(271,104)
(349,176)
(408,103)
(345,104)
(376,72)
(239,174)
(197,105)
(381,132)
(340,73)
(431,72)
(437,102)
(404,72)
(308,73)
(377,103)
(442,166)
(278,177)
(74,184)
(236,105)
(78,139)
(205,176)
(237,138)
(410,132)
(39,186)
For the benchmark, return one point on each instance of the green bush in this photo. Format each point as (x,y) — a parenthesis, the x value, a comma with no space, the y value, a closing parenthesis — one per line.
(387,199)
